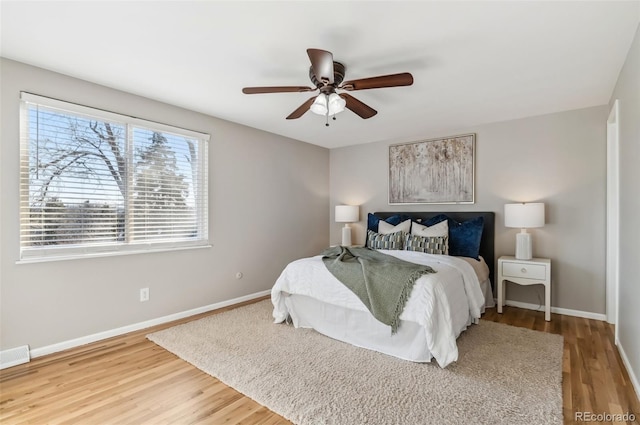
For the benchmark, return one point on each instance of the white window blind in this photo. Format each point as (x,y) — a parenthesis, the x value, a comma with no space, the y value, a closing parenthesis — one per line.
(96,182)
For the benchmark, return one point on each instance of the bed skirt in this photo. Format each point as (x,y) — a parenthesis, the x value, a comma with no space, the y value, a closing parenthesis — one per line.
(361,329)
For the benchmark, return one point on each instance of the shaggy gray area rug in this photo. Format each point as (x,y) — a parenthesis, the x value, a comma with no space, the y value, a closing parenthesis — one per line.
(504,374)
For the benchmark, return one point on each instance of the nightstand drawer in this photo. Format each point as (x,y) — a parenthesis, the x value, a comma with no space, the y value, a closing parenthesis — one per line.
(523,270)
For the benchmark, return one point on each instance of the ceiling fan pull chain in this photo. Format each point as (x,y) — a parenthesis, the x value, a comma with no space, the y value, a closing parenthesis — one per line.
(327,114)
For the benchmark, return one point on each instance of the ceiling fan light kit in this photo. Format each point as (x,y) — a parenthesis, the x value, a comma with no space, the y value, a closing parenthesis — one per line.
(327,76)
(328,104)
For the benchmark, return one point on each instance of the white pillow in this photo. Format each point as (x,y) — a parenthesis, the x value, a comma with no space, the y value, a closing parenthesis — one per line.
(385,228)
(437,230)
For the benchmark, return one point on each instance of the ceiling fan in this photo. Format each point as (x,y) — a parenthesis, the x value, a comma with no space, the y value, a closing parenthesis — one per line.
(327,76)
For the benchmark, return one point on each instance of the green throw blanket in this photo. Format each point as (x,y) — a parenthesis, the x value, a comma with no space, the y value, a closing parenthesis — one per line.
(382,282)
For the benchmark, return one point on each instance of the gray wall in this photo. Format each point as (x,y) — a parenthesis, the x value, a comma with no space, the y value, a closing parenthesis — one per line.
(627,91)
(269,204)
(558,159)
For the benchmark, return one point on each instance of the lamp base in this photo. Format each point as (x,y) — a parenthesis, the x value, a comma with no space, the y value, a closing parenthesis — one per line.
(346,235)
(524,248)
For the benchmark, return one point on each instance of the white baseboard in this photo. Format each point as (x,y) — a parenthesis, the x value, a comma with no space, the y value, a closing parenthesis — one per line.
(630,371)
(558,310)
(65,345)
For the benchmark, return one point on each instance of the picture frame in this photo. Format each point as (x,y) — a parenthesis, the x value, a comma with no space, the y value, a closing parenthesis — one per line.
(435,171)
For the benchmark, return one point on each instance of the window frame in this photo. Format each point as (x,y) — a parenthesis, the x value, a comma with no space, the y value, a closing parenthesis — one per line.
(61,252)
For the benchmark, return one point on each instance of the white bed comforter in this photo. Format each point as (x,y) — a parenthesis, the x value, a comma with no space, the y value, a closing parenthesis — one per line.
(443,303)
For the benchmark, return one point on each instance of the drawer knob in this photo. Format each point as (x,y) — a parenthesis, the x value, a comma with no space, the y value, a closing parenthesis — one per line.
(523,270)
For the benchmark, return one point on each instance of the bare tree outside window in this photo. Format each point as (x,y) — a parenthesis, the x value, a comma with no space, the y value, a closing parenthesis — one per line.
(77,179)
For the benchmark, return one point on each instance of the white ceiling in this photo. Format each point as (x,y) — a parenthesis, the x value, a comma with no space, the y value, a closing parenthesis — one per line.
(472,62)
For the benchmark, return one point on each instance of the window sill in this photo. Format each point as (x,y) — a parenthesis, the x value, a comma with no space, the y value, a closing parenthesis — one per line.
(101,254)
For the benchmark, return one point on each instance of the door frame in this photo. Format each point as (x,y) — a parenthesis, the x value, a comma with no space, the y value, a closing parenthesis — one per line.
(613,215)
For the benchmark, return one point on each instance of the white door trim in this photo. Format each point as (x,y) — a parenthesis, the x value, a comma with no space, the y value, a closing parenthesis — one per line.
(613,214)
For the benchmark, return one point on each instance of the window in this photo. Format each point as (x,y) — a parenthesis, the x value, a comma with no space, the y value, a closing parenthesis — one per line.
(96,182)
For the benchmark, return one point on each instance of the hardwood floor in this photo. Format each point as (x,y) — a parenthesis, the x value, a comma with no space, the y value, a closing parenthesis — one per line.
(130,380)
(594,380)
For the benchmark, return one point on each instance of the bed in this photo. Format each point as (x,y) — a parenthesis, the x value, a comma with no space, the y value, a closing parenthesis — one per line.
(441,305)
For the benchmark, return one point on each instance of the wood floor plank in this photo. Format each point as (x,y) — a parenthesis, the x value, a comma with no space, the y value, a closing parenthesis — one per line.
(130,380)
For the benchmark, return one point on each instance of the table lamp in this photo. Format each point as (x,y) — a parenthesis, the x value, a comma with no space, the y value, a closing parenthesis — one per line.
(524,216)
(347,214)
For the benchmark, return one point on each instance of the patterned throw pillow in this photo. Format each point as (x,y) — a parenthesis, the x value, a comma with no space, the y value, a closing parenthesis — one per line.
(389,241)
(429,244)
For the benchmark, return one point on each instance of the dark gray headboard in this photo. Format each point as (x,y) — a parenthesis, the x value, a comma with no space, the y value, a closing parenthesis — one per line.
(487,243)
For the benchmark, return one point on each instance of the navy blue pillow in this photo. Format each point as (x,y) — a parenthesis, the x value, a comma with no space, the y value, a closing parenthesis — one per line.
(464,238)
(436,219)
(373,220)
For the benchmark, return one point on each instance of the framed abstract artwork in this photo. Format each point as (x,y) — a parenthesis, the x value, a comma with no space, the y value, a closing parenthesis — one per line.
(437,171)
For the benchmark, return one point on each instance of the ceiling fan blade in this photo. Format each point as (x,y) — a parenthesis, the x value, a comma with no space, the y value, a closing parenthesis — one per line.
(301,109)
(359,108)
(322,64)
(285,89)
(392,80)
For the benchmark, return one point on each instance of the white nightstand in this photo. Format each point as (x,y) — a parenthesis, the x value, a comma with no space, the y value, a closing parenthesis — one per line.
(525,272)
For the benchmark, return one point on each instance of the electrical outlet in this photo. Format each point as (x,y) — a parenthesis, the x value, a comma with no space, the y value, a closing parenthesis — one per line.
(144,294)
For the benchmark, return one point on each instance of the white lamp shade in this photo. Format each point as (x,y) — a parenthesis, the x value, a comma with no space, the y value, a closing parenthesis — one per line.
(524,216)
(319,106)
(347,213)
(336,104)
